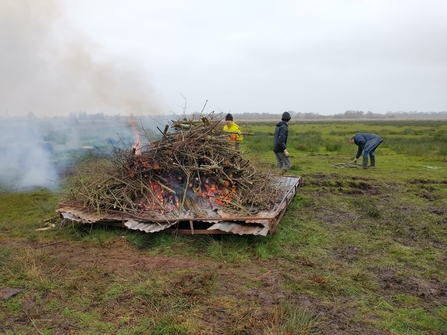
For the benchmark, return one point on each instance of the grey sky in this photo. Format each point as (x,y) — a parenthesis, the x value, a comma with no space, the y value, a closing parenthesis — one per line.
(134,56)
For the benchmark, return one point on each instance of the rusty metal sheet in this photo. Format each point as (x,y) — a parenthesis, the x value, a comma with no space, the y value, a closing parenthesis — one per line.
(216,222)
(80,215)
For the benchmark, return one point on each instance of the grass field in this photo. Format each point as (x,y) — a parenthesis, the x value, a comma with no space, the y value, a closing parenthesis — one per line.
(358,251)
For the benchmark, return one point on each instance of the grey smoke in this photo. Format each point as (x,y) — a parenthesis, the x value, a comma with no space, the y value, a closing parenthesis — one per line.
(49,69)
(26,160)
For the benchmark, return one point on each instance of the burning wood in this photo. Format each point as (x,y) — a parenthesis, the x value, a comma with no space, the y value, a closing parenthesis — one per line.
(190,171)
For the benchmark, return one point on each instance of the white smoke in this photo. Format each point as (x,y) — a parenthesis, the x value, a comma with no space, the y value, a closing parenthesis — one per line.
(25,158)
(49,69)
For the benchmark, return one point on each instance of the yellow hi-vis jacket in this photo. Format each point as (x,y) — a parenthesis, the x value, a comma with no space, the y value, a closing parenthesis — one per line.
(234,129)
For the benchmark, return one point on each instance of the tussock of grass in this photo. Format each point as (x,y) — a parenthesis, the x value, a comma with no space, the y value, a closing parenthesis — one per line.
(288,318)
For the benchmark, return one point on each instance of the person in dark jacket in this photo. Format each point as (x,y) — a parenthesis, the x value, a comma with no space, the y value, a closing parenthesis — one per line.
(280,144)
(367,144)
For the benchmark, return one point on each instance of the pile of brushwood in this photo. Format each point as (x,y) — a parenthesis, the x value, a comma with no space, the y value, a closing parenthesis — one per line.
(191,169)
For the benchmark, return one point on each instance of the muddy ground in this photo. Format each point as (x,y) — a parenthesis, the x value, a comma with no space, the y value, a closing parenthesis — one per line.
(256,288)
(234,281)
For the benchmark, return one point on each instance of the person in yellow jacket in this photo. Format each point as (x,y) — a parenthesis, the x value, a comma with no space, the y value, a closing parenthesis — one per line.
(235,135)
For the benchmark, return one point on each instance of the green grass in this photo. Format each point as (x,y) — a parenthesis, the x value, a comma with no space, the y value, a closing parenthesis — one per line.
(358,251)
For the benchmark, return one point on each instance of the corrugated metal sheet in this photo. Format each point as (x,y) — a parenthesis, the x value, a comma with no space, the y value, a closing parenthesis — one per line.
(217,222)
(240,228)
(148,227)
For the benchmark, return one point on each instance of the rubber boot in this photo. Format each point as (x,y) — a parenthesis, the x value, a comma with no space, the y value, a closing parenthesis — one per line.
(373,161)
(365,163)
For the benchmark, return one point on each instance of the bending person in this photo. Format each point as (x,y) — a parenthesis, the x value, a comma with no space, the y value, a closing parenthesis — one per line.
(367,144)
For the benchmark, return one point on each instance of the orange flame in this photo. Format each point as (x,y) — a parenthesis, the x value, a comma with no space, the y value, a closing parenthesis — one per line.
(136,146)
(204,188)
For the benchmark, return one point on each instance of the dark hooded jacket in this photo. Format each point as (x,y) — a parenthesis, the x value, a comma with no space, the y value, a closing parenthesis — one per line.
(280,137)
(366,143)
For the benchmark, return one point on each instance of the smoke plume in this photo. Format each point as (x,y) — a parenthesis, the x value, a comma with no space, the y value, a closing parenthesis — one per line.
(26,160)
(49,69)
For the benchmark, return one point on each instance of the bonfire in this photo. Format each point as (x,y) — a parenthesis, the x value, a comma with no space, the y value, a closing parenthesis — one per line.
(191,169)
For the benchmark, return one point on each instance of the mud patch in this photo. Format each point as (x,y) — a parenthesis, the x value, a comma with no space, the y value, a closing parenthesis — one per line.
(426,182)
(336,183)
(394,283)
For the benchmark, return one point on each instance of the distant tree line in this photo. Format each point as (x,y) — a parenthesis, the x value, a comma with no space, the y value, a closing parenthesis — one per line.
(253,116)
(347,115)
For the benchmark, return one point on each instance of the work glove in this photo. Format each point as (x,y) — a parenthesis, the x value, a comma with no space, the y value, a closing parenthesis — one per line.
(286,153)
(355,161)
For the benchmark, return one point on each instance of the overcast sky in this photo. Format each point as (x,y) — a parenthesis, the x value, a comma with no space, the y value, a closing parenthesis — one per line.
(163,56)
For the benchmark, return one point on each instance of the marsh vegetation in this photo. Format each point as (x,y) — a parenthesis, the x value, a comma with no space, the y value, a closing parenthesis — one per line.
(358,251)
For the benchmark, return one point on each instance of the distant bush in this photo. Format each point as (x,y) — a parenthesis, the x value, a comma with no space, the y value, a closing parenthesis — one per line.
(310,141)
(333,147)
(260,142)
